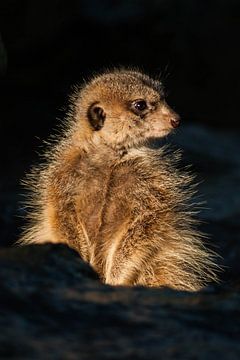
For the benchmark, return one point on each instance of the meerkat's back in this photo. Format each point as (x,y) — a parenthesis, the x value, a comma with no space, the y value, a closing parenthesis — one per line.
(123,206)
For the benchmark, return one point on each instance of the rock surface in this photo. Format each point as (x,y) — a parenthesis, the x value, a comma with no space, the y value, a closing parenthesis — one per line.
(52,306)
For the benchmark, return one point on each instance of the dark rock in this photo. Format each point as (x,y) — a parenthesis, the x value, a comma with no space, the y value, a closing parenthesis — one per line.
(52,306)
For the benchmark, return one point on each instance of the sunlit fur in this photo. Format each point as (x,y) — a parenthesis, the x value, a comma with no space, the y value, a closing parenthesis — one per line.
(126,208)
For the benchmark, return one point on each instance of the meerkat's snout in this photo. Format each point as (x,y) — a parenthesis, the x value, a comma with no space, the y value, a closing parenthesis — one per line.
(175,121)
(172,117)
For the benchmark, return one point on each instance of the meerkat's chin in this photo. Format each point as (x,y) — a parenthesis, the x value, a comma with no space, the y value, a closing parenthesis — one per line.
(160,134)
(149,138)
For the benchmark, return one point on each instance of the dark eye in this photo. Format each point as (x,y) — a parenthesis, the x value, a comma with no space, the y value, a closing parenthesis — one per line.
(140,105)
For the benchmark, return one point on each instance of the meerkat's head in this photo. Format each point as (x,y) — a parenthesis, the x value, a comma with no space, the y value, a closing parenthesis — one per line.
(124,108)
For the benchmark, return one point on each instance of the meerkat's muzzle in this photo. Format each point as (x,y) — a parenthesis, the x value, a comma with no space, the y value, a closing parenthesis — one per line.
(175,122)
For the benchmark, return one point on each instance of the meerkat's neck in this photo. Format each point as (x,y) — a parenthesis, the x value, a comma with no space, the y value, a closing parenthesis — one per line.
(95,144)
(93,147)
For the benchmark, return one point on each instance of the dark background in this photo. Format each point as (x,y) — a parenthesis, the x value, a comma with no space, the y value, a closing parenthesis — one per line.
(48,46)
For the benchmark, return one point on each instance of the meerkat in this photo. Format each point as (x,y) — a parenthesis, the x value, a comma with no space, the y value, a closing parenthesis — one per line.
(124,206)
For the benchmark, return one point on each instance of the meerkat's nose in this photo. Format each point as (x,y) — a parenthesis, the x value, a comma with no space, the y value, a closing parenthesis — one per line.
(175,122)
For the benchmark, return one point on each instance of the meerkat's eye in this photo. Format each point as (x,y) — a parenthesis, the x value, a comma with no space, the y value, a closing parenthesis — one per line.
(140,105)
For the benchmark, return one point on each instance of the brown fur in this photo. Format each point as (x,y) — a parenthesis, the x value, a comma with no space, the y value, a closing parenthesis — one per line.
(123,206)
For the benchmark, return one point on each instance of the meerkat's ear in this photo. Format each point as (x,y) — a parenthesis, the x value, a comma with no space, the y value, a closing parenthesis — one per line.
(96,116)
